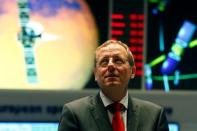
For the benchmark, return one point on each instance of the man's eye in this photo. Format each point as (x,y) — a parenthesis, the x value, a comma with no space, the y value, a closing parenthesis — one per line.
(104,62)
(119,61)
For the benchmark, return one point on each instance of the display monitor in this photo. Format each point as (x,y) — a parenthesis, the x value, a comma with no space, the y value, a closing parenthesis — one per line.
(28,126)
(49,44)
(171,45)
(48,126)
(174,126)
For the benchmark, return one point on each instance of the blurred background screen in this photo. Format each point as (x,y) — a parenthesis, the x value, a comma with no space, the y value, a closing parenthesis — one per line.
(173,126)
(171,45)
(28,126)
(49,45)
(47,126)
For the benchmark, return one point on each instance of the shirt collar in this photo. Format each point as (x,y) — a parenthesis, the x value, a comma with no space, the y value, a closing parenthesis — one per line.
(107,101)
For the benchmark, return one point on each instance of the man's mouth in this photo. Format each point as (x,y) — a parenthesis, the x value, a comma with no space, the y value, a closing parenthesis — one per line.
(111,75)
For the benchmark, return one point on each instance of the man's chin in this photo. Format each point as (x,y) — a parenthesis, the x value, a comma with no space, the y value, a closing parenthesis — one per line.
(112,84)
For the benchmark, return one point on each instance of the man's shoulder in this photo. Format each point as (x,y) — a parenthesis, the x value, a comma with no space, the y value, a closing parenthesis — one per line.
(80,102)
(145,104)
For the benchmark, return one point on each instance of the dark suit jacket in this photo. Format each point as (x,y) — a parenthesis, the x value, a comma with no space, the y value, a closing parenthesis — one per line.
(89,114)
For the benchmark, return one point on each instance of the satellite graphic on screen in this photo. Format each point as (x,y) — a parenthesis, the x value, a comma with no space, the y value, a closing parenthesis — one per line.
(172,32)
(46,43)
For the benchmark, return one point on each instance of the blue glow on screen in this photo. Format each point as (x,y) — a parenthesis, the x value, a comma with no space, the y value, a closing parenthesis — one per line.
(48,126)
(28,126)
(173,127)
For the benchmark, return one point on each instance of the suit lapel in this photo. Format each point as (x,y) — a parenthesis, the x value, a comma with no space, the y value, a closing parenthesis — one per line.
(132,115)
(101,117)
(100,114)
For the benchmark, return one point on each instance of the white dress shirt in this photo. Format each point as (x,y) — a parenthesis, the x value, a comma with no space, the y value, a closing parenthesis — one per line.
(124,101)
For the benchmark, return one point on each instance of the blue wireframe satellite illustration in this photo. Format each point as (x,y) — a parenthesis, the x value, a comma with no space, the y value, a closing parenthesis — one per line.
(171,65)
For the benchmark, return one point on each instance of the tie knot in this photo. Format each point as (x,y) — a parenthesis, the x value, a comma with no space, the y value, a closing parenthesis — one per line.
(116,107)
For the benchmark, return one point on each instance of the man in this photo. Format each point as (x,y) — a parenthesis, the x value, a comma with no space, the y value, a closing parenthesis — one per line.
(114,67)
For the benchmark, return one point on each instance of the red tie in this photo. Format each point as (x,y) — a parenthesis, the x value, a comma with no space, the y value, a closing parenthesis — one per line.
(117,122)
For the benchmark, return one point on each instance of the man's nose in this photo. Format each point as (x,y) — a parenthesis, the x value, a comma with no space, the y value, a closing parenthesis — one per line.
(111,65)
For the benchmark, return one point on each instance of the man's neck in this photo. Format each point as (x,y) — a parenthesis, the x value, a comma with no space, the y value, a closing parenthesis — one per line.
(107,101)
(115,96)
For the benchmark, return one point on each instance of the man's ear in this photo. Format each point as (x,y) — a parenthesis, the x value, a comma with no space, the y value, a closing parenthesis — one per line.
(133,71)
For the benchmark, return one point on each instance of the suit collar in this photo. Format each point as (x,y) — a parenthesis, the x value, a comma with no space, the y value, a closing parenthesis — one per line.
(102,120)
(132,115)
(106,101)
(100,114)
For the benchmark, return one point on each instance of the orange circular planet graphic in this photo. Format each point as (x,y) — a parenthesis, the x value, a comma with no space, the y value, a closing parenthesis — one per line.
(53,49)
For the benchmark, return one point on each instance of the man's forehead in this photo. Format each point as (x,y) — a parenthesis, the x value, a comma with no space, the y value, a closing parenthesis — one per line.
(114,49)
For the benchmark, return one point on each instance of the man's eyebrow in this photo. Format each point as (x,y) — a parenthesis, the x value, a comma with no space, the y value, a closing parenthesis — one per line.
(104,57)
(118,56)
